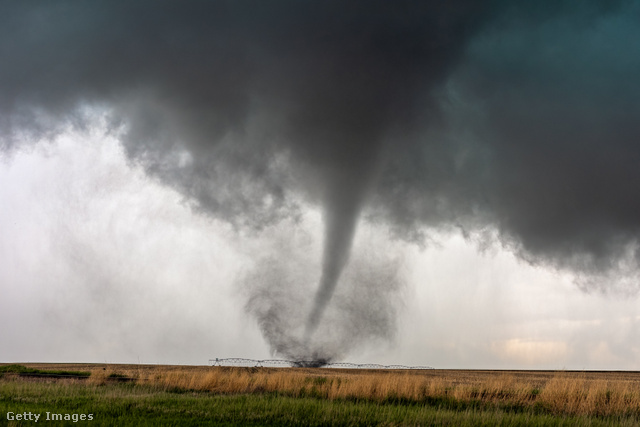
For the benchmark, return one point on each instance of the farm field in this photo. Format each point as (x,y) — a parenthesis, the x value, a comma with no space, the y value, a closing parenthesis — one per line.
(203,395)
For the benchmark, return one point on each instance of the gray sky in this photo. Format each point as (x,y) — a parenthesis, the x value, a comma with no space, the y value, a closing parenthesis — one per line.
(440,183)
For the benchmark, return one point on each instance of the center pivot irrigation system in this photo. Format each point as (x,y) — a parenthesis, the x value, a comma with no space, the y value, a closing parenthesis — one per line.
(281,363)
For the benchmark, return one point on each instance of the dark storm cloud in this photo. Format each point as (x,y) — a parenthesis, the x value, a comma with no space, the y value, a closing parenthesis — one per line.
(512,119)
(240,86)
(541,143)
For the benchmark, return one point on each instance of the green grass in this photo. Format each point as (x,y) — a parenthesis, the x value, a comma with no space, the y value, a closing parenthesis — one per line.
(24,371)
(134,405)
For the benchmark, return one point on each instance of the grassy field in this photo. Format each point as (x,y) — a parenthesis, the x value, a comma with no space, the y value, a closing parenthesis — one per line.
(175,395)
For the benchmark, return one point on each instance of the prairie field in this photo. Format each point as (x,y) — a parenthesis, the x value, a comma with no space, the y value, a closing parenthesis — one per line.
(541,397)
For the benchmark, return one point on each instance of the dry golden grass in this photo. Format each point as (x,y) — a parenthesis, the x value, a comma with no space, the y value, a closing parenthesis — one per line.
(573,393)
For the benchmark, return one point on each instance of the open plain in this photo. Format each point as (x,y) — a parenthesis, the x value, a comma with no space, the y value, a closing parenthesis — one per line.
(193,395)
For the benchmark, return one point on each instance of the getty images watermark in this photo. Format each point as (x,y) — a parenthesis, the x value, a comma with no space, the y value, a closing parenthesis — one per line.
(47,416)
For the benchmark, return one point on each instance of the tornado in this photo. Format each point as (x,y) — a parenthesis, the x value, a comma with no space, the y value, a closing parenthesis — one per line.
(343,202)
(340,227)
